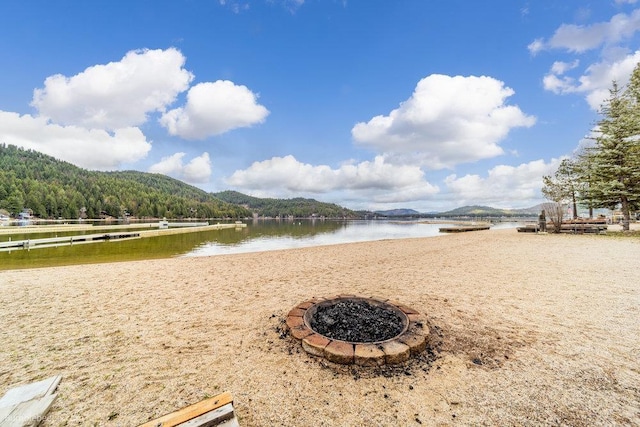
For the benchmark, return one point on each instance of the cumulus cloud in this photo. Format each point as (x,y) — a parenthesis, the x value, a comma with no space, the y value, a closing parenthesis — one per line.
(170,165)
(213,109)
(520,183)
(117,94)
(447,121)
(555,81)
(581,38)
(91,119)
(198,170)
(381,179)
(558,83)
(561,67)
(88,148)
(596,81)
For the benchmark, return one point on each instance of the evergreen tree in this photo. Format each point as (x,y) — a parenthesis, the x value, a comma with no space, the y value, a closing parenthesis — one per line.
(564,185)
(614,160)
(584,170)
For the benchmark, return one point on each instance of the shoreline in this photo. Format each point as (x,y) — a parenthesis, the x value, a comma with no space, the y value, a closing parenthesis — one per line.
(527,329)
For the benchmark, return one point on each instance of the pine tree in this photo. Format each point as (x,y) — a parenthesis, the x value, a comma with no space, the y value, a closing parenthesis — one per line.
(563,186)
(614,160)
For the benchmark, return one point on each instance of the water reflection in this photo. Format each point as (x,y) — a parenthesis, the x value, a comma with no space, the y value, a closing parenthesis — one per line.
(257,236)
(298,234)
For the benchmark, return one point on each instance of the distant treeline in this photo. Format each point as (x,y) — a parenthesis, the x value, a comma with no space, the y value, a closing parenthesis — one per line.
(297,207)
(52,188)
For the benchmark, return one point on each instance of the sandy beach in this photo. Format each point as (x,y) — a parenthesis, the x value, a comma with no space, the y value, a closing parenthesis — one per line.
(526,329)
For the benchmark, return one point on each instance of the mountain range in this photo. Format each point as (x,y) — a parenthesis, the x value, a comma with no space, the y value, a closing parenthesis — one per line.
(465,211)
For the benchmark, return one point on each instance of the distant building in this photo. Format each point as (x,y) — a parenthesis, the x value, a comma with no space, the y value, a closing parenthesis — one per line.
(24,217)
(26,214)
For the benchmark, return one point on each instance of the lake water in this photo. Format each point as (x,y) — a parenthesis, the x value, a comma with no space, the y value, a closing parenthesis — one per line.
(257,236)
(301,234)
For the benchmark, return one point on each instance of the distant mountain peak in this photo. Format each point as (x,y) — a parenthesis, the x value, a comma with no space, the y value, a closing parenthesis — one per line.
(398,212)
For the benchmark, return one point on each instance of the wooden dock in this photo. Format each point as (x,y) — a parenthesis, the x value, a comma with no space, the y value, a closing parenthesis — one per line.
(49,242)
(67,240)
(62,228)
(464,228)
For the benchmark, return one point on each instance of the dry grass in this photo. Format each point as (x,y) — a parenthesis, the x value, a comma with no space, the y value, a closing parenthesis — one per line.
(526,330)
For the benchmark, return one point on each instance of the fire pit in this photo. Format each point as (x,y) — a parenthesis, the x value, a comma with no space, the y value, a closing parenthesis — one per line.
(348,329)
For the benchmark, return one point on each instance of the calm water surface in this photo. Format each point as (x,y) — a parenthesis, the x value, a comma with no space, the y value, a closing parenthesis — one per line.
(257,236)
(301,234)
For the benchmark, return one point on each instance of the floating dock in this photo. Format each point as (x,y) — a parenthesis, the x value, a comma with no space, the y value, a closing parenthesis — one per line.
(464,228)
(67,240)
(106,237)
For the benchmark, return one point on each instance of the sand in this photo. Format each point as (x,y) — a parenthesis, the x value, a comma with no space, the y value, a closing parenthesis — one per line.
(526,330)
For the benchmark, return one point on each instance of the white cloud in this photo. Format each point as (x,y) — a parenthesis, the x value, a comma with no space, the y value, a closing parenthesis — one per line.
(581,38)
(596,81)
(377,179)
(519,185)
(447,121)
(198,170)
(561,67)
(213,109)
(117,94)
(90,119)
(558,84)
(87,148)
(170,165)
(536,46)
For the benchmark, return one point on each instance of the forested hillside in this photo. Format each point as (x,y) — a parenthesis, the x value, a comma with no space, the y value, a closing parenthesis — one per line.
(297,207)
(490,212)
(52,188)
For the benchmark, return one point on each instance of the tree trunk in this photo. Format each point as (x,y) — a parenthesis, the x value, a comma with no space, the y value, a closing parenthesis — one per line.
(626,215)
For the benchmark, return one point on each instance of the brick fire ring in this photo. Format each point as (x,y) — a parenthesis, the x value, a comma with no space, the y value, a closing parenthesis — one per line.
(408,343)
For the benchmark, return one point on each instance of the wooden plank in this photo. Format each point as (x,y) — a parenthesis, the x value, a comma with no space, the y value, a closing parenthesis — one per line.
(190,412)
(26,405)
(30,391)
(233,422)
(214,418)
(29,413)
(5,412)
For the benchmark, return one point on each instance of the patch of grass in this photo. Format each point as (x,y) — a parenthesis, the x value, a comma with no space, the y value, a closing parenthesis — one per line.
(623,234)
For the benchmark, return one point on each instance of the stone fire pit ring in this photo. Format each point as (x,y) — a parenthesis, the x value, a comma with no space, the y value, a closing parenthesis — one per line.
(409,341)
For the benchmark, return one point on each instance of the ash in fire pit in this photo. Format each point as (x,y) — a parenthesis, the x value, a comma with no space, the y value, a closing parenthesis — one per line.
(357,320)
(366,331)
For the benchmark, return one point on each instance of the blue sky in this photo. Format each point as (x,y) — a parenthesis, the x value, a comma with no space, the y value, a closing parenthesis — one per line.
(370,104)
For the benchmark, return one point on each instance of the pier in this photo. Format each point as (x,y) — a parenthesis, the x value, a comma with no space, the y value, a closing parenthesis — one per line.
(464,228)
(121,234)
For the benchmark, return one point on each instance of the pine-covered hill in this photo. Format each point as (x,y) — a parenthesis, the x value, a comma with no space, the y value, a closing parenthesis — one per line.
(52,188)
(478,211)
(297,207)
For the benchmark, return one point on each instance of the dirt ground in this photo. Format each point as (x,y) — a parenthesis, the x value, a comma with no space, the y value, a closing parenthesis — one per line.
(526,329)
